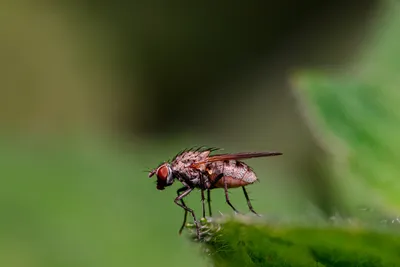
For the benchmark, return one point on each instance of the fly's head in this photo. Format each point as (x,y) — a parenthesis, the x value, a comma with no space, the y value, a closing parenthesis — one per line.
(164,176)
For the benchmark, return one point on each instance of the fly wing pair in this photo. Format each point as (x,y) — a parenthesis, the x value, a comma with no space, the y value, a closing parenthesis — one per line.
(233,156)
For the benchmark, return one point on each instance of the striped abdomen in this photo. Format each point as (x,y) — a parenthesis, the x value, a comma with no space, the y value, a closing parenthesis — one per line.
(236,173)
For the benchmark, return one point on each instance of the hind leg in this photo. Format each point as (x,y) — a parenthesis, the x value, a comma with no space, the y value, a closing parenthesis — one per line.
(248,201)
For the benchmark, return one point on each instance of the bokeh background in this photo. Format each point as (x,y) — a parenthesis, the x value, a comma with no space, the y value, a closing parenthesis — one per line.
(94,93)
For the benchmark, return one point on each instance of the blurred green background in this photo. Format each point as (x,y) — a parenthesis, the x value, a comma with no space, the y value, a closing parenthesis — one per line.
(94,93)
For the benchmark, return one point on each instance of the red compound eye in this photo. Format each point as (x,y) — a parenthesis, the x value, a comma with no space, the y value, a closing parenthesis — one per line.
(162,172)
(162,175)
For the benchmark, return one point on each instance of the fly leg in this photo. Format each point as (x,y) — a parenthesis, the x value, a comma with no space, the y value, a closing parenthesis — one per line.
(202,196)
(216,180)
(219,177)
(210,186)
(209,201)
(248,201)
(183,203)
(227,197)
(202,203)
(178,201)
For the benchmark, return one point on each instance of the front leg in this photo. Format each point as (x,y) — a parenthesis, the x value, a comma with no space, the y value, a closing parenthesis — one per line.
(182,205)
(178,192)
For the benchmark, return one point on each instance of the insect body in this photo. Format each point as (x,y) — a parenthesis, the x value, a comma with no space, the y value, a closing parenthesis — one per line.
(196,168)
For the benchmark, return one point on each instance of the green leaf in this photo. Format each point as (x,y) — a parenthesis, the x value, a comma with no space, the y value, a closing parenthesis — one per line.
(359,125)
(356,117)
(245,242)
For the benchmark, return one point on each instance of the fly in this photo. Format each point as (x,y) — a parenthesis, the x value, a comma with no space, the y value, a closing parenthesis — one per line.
(196,168)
